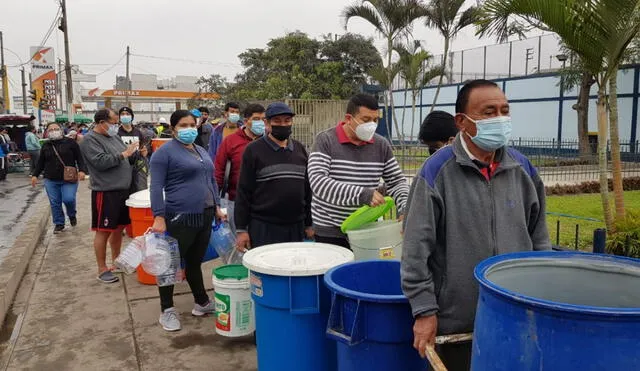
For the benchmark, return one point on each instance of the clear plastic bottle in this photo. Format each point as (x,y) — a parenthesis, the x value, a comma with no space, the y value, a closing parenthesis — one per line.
(131,257)
(157,257)
(174,273)
(223,241)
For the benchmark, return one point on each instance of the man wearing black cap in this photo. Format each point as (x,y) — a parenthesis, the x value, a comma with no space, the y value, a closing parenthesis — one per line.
(273,199)
(127,132)
(438,130)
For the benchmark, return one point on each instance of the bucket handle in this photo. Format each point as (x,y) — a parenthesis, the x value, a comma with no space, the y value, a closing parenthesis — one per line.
(335,327)
(304,310)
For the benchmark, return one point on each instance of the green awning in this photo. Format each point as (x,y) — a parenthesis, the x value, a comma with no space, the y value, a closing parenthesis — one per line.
(77,118)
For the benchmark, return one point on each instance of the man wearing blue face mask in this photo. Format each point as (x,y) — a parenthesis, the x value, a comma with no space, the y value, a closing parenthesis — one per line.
(127,132)
(228,126)
(110,162)
(471,200)
(229,158)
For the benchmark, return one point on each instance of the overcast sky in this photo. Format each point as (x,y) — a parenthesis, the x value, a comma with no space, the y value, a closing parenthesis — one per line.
(211,31)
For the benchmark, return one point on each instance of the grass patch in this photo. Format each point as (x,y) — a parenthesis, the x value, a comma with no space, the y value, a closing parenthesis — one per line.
(581,206)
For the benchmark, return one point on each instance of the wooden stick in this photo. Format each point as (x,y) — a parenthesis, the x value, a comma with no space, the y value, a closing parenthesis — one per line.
(455,338)
(434,359)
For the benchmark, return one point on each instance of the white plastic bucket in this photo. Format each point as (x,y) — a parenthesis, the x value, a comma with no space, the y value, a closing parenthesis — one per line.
(378,240)
(235,311)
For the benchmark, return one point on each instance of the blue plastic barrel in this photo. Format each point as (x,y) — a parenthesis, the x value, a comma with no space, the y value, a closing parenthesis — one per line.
(292,304)
(370,318)
(557,311)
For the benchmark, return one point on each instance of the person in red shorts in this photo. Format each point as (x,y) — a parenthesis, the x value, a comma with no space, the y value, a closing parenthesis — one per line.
(108,160)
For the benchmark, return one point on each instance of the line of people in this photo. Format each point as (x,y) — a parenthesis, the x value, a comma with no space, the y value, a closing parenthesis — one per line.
(473,198)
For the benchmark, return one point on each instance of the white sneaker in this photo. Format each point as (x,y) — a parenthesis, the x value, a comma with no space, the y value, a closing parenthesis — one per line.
(203,310)
(169,320)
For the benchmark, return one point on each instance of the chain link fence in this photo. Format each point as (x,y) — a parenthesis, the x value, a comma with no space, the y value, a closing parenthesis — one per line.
(515,58)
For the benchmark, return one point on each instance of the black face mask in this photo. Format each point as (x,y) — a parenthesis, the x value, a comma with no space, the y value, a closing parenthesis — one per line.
(281,132)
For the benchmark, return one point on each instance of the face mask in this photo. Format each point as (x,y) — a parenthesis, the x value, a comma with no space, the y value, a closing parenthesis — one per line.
(84,131)
(257,127)
(55,135)
(281,132)
(187,135)
(492,133)
(113,130)
(365,131)
(234,118)
(126,120)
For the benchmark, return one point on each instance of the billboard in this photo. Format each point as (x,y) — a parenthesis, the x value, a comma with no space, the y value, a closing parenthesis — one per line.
(43,77)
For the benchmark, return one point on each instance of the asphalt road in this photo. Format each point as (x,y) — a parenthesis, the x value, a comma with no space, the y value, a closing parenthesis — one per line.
(16,206)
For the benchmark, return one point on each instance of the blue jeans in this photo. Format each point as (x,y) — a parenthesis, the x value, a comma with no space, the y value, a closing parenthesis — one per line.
(59,193)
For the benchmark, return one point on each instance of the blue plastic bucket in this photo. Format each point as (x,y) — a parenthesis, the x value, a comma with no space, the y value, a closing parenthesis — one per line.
(557,311)
(370,318)
(292,304)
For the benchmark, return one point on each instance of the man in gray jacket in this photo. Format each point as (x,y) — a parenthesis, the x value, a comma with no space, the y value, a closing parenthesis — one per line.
(108,160)
(471,200)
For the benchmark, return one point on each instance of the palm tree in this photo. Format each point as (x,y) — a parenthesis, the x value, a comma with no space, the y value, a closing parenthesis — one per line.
(392,19)
(445,15)
(413,69)
(599,32)
(381,75)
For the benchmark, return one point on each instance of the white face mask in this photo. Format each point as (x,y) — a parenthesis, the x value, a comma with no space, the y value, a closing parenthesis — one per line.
(366,130)
(55,134)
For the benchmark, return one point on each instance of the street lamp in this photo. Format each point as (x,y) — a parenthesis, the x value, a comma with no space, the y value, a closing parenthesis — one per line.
(562,58)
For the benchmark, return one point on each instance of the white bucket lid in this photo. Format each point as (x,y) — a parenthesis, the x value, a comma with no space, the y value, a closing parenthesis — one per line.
(298,259)
(139,200)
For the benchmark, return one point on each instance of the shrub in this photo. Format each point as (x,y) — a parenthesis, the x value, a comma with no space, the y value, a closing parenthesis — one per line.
(625,241)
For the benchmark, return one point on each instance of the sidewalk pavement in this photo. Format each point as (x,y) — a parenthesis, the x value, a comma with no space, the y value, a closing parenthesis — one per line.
(62,318)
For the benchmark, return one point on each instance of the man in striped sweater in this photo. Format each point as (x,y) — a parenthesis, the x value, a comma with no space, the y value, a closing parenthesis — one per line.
(345,168)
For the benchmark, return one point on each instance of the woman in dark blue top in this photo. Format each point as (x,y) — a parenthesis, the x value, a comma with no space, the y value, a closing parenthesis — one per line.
(184,172)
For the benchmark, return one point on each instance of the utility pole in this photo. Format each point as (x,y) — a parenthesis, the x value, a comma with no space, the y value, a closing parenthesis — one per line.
(59,84)
(24,92)
(5,78)
(128,91)
(65,28)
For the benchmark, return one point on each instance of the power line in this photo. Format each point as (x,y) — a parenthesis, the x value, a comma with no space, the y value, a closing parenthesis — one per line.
(210,63)
(112,66)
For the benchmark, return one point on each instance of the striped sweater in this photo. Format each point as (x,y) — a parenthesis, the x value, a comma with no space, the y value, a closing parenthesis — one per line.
(344,176)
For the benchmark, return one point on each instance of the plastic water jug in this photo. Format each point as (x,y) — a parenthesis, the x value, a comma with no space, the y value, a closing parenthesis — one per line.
(174,273)
(157,257)
(224,242)
(131,257)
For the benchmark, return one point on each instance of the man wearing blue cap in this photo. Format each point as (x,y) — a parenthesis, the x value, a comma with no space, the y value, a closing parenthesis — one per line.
(273,199)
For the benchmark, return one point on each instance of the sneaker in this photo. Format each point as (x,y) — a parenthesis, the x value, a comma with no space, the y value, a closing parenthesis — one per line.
(58,228)
(107,277)
(73,221)
(169,320)
(203,310)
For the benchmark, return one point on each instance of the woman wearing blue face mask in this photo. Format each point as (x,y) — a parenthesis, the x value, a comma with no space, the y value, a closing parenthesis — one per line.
(184,172)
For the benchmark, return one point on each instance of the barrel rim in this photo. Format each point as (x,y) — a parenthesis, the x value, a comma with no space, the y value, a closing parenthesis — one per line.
(482,268)
(376,298)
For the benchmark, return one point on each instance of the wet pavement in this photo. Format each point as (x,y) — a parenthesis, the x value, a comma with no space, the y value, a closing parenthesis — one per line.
(16,200)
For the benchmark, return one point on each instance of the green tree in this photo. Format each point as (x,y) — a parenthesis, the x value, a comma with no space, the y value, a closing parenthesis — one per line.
(597,31)
(213,83)
(392,19)
(446,16)
(296,66)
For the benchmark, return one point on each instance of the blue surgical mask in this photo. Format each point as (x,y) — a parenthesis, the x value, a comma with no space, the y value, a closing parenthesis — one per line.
(126,120)
(113,130)
(257,127)
(84,131)
(492,133)
(187,135)
(234,118)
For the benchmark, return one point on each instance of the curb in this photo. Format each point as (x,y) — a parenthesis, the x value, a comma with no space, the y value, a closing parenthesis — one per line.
(14,265)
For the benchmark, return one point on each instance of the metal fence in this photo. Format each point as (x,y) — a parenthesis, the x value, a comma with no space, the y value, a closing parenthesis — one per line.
(515,58)
(557,163)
